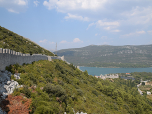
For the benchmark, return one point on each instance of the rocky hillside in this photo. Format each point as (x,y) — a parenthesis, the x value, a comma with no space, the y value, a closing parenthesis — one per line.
(110,56)
(13,41)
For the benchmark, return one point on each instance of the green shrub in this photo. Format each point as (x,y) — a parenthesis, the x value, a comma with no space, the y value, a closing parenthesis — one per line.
(80,92)
(58,67)
(33,78)
(61,82)
(20,81)
(95,92)
(57,90)
(49,80)
(26,91)
(44,110)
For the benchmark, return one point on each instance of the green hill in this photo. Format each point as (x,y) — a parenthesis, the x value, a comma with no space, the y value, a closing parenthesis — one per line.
(109,56)
(56,87)
(13,41)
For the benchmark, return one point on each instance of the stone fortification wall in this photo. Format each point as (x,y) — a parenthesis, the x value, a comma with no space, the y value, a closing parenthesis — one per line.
(56,57)
(8,57)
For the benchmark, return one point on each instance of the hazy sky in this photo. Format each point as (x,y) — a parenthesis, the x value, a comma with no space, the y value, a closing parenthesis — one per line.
(78,23)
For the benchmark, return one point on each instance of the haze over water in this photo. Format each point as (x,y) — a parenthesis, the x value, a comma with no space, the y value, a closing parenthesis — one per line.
(98,71)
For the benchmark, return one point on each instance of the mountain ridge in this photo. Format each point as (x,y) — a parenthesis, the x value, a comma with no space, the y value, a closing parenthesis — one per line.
(109,56)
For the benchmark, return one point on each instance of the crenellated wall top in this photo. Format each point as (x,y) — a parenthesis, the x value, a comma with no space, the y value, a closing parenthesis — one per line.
(12,52)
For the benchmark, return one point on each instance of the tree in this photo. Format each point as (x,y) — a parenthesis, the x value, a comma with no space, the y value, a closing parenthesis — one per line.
(143,83)
(18,105)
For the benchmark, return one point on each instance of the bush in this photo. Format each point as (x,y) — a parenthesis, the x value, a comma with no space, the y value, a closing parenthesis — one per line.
(18,105)
(15,68)
(72,66)
(33,78)
(57,91)
(49,80)
(44,110)
(80,92)
(95,92)
(61,82)
(143,83)
(20,81)
(58,67)
(26,91)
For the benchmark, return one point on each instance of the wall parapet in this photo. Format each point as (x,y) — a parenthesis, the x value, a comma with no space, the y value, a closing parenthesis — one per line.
(10,57)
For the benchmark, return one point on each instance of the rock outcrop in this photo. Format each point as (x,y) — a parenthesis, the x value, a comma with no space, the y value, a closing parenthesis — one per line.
(7,85)
(4,77)
(2,112)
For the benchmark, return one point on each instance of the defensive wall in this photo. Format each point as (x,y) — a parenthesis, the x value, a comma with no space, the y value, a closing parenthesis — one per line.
(10,57)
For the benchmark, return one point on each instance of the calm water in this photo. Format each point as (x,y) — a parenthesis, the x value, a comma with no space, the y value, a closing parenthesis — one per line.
(98,71)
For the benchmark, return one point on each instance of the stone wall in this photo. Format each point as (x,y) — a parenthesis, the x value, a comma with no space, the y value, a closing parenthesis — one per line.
(9,57)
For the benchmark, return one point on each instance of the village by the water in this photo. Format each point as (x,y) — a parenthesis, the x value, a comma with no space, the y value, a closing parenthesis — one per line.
(113,76)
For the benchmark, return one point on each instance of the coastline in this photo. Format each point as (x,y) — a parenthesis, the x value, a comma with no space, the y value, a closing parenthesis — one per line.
(97,71)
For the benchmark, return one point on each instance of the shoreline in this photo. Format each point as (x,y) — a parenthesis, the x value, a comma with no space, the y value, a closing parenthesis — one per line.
(102,70)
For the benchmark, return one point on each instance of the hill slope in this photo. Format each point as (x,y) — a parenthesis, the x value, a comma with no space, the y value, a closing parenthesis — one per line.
(56,87)
(13,41)
(110,56)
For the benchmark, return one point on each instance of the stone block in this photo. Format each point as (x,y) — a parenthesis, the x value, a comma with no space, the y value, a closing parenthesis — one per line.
(1,50)
(4,50)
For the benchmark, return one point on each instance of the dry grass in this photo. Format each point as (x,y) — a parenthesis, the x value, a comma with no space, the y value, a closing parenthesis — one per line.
(145,87)
(149,97)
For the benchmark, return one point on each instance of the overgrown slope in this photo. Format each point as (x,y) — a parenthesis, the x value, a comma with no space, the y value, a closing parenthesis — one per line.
(56,87)
(110,56)
(13,41)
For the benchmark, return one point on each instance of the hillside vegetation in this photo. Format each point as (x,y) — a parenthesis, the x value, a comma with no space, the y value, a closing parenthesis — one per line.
(56,87)
(109,56)
(13,41)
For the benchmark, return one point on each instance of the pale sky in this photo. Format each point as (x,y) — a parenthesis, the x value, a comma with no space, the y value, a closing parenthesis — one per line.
(79,23)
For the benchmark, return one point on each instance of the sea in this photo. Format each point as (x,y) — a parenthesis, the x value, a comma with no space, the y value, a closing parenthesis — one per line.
(97,71)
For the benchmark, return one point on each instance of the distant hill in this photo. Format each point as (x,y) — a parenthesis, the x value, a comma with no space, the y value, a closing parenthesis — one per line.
(109,56)
(13,41)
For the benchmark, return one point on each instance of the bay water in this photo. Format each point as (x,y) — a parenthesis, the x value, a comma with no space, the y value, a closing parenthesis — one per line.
(98,70)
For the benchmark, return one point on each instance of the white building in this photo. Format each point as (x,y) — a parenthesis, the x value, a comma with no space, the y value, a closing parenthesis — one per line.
(108,76)
(148,93)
